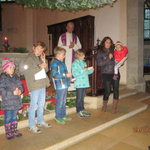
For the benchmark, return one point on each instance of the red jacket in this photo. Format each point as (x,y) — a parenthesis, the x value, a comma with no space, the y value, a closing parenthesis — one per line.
(119,55)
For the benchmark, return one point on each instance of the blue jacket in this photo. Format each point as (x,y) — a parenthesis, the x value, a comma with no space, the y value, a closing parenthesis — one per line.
(7,87)
(59,74)
(78,71)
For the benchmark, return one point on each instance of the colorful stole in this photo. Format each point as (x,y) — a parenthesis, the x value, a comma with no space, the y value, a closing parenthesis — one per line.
(74,39)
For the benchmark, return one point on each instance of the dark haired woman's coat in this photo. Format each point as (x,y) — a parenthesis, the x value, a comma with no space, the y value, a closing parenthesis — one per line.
(106,65)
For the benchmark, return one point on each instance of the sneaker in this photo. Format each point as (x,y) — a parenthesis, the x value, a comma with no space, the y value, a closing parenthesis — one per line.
(80,114)
(59,121)
(35,129)
(44,124)
(115,77)
(66,118)
(85,113)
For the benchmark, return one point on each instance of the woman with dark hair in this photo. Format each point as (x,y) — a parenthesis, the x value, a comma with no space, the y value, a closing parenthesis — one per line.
(105,60)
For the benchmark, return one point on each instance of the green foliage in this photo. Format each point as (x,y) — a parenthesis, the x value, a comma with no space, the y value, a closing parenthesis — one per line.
(22,77)
(48,96)
(68,5)
(1,122)
(71,94)
(71,99)
(20,116)
(26,99)
(18,50)
(50,106)
(71,102)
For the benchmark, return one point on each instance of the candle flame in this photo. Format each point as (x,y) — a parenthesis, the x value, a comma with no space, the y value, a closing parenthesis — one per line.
(5,38)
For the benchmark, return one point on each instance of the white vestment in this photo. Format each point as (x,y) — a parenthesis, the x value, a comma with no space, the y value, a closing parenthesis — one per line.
(68,58)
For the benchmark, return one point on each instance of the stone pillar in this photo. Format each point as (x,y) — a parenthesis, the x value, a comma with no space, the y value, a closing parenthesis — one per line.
(135,18)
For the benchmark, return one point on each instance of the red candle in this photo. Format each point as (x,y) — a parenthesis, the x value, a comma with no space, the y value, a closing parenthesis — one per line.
(5,41)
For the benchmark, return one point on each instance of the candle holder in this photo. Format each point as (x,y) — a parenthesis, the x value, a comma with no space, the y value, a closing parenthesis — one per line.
(98,41)
(6,47)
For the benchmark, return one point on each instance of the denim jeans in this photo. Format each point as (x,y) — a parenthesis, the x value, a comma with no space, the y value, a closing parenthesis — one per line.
(37,103)
(10,116)
(80,93)
(60,107)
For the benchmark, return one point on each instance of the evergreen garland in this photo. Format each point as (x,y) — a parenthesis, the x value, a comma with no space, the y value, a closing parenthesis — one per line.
(68,5)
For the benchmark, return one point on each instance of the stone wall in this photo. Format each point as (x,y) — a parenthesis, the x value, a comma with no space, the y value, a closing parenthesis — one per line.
(15,57)
(135,44)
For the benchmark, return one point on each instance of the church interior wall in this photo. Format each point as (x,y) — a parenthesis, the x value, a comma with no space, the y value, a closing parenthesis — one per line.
(109,21)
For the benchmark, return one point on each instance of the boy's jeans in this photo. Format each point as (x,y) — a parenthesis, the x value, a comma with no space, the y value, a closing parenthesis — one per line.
(37,103)
(60,107)
(10,116)
(80,99)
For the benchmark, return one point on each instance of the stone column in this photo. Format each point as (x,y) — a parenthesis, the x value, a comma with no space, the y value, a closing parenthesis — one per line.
(135,18)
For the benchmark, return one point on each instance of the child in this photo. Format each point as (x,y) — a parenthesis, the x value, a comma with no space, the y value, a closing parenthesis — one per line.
(34,63)
(11,89)
(120,57)
(80,73)
(61,80)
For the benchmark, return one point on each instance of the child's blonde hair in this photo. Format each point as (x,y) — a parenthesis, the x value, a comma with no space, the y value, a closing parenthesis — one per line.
(58,50)
(42,44)
(79,53)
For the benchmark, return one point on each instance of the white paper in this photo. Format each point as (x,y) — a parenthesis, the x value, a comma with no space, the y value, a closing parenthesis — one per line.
(90,68)
(72,80)
(40,75)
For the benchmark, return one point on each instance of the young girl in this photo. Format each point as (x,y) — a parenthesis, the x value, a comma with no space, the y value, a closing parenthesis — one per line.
(80,73)
(10,88)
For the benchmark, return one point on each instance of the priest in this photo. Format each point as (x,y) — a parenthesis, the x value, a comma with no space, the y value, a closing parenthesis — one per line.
(70,42)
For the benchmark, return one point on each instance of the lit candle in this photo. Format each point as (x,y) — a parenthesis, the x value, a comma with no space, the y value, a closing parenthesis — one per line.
(5,41)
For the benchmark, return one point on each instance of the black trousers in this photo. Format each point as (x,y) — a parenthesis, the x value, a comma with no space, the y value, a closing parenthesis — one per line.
(80,93)
(108,81)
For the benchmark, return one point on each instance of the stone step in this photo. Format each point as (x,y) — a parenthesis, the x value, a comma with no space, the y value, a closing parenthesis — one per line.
(47,117)
(141,96)
(62,136)
(97,102)
(127,108)
(126,93)
(90,103)
(122,87)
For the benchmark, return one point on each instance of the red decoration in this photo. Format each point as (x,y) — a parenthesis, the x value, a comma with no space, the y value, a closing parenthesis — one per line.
(25,87)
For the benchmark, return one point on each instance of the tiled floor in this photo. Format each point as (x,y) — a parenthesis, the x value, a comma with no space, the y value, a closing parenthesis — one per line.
(125,135)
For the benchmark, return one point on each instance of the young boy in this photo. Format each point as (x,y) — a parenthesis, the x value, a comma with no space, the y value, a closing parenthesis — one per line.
(61,80)
(34,63)
(120,57)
